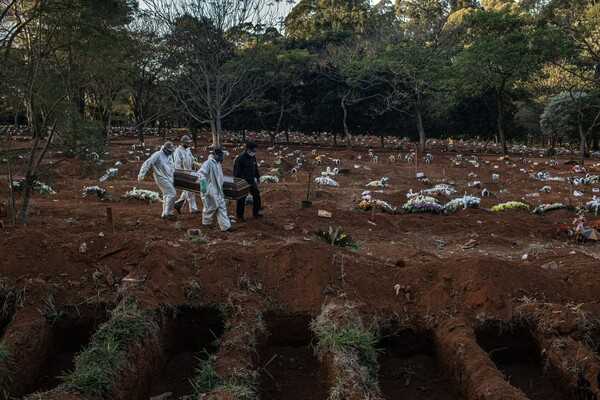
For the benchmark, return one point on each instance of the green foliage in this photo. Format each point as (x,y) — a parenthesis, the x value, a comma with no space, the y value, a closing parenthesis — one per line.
(242,385)
(205,378)
(560,114)
(335,236)
(7,364)
(341,333)
(98,365)
(326,21)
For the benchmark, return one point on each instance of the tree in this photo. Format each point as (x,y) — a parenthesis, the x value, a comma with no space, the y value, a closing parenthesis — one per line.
(414,57)
(571,112)
(325,21)
(41,72)
(502,48)
(215,50)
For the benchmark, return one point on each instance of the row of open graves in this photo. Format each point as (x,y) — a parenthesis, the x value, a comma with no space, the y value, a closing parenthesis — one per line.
(239,351)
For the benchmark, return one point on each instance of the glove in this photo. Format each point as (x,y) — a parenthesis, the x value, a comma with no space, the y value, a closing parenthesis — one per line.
(203,186)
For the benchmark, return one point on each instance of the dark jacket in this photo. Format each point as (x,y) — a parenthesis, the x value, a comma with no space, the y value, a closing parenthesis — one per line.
(245,167)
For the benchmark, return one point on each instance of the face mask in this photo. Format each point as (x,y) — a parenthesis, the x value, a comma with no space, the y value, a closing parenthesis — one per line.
(185,146)
(251,153)
(168,152)
(220,158)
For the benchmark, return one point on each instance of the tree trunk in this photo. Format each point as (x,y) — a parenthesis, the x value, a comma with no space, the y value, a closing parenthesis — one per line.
(278,125)
(582,138)
(219,132)
(420,128)
(345,120)
(501,129)
(140,132)
(213,131)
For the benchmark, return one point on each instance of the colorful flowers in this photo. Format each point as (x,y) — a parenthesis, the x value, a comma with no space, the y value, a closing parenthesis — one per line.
(548,207)
(420,204)
(509,206)
(383,206)
(335,236)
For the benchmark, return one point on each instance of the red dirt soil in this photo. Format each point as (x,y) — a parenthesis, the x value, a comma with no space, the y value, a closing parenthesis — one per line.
(440,281)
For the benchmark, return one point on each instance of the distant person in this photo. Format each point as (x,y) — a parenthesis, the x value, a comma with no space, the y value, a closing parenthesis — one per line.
(164,176)
(211,187)
(245,167)
(184,160)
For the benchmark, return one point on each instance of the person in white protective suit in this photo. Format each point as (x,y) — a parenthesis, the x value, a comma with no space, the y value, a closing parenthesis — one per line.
(211,187)
(164,176)
(185,160)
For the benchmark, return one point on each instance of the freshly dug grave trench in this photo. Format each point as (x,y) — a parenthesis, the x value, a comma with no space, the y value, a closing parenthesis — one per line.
(68,337)
(190,335)
(516,353)
(409,369)
(289,368)
(3,325)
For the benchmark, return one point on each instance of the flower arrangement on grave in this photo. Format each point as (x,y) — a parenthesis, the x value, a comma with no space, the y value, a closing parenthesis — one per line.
(335,236)
(40,187)
(540,176)
(96,191)
(510,205)
(548,207)
(441,188)
(142,194)
(383,182)
(462,203)
(326,181)
(269,179)
(367,203)
(593,205)
(418,204)
(563,230)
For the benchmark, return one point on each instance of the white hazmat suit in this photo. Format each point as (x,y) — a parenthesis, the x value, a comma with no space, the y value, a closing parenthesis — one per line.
(185,160)
(164,176)
(214,199)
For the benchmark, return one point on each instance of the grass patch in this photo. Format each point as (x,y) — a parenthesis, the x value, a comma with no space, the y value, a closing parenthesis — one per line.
(342,335)
(7,364)
(242,385)
(98,365)
(335,236)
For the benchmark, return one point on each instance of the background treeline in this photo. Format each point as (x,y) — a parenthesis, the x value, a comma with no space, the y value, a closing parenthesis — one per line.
(523,71)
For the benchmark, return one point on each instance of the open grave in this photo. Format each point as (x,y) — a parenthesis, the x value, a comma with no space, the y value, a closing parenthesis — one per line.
(69,335)
(191,334)
(289,367)
(409,368)
(516,353)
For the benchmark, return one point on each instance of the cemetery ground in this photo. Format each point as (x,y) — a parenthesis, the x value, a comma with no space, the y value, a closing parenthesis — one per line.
(474,304)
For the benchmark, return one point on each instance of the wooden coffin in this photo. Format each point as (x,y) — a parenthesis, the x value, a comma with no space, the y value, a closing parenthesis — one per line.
(234,188)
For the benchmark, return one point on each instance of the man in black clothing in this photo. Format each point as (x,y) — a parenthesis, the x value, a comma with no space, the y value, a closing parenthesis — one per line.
(245,167)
